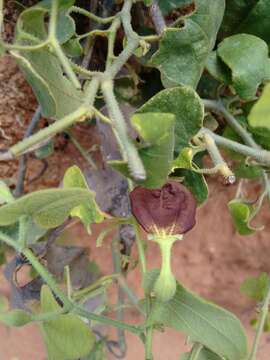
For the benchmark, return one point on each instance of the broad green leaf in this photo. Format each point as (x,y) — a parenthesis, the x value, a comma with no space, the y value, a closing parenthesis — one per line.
(241,214)
(15,318)
(246,171)
(32,230)
(257,21)
(88,211)
(183,52)
(196,183)
(235,12)
(32,21)
(185,104)
(55,93)
(218,69)
(247,58)
(48,208)
(62,4)
(73,48)
(168,5)
(65,27)
(45,150)
(157,133)
(5,193)
(205,354)
(66,337)
(185,167)
(256,288)
(205,323)
(184,159)
(39,85)
(259,116)
(98,352)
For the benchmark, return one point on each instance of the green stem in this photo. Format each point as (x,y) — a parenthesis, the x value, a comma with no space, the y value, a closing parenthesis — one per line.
(195,352)
(157,17)
(132,38)
(65,63)
(91,16)
(25,47)
(53,19)
(47,277)
(92,34)
(262,318)
(111,41)
(49,131)
(128,149)
(218,107)
(262,156)
(242,132)
(121,296)
(107,321)
(140,248)
(82,151)
(149,343)
(131,296)
(9,241)
(216,157)
(149,330)
(57,48)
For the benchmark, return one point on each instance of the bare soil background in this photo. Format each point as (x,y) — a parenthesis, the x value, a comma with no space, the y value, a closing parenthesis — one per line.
(212,260)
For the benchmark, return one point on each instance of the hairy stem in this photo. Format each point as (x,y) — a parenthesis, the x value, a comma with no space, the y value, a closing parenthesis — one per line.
(247,137)
(128,149)
(49,131)
(262,318)
(157,17)
(91,16)
(262,156)
(218,107)
(57,48)
(87,157)
(216,157)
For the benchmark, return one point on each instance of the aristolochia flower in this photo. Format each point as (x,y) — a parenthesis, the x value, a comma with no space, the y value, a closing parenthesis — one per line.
(165,214)
(170,210)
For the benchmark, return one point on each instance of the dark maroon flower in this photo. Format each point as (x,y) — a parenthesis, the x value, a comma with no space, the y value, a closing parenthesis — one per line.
(170,209)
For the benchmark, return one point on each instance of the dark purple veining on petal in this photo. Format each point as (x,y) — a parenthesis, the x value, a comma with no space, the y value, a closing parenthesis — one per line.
(171,208)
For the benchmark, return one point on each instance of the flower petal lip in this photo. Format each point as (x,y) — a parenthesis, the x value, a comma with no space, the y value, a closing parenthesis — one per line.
(170,209)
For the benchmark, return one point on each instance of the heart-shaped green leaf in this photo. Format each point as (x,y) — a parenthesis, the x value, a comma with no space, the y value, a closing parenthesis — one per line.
(55,93)
(88,211)
(48,208)
(256,288)
(5,193)
(186,105)
(257,21)
(66,337)
(259,116)
(241,215)
(205,323)
(183,52)
(247,58)
(205,354)
(167,6)
(157,133)
(15,318)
